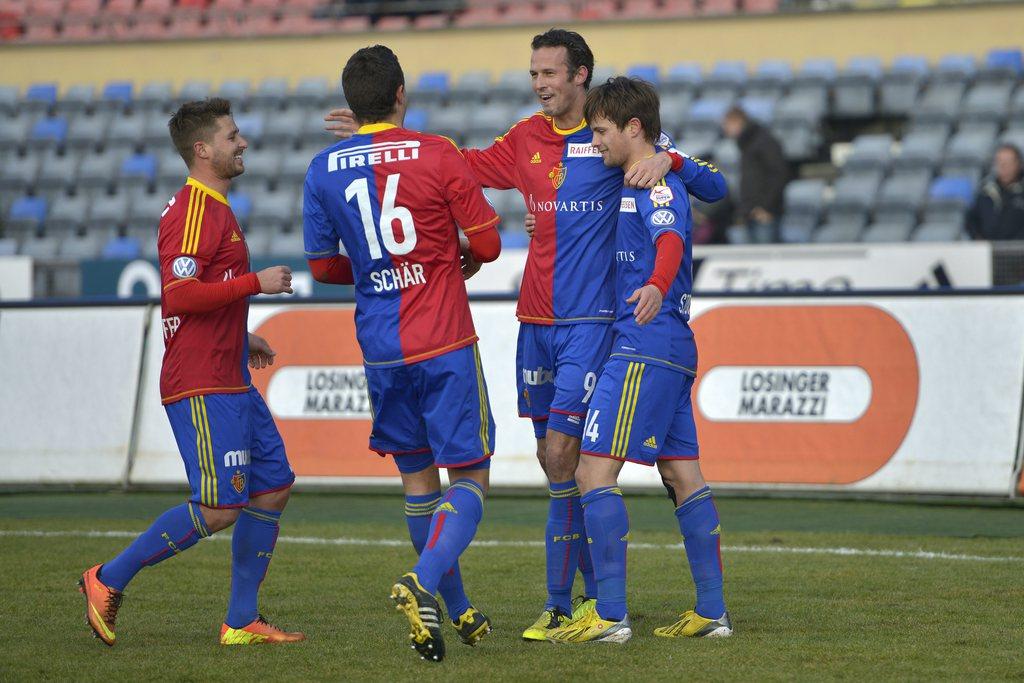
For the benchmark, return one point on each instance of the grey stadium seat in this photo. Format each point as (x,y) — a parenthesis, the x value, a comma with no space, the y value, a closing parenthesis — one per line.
(285,126)
(8,246)
(294,166)
(286,245)
(270,93)
(107,212)
(988,102)
(313,132)
(19,172)
(489,118)
(67,214)
(1017,107)
(98,169)
(88,132)
(804,200)
(726,155)
(155,95)
(854,92)
(901,85)
(193,90)
(81,246)
(127,129)
(40,247)
(888,231)
(938,232)
(939,103)
(59,171)
(472,86)
(839,232)
(906,189)
(451,121)
(968,150)
(235,91)
(155,133)
(76,99)
(258,242)
(262,165)
(170,167)
(512,86)
(869,152)
(273,209)
(14,131)
(920,151)
(144,211)
(675,108)
(9,100)
(311,92)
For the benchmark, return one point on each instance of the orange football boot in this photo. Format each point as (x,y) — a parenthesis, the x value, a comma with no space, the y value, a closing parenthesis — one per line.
(257,633)
(101,605)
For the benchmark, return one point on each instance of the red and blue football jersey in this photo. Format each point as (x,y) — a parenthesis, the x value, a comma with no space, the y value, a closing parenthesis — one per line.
(644,216)
(396,199)
(575,197)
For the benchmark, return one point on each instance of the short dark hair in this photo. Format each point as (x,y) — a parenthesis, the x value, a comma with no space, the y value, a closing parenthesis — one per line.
(1014,149)
(370,81)
(576,49)
(738,112)
(620,99)
(195,121)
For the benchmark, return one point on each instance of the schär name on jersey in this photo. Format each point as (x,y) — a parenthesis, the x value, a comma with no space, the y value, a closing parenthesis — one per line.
(400,277)
(371,155)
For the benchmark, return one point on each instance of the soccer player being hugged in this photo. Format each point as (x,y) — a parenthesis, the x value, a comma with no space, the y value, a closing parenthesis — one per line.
(641,410)
(393,197)
(565,303)
(233,453)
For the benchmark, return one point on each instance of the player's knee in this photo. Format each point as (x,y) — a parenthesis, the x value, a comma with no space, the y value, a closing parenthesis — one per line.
(218,519)
(275,501)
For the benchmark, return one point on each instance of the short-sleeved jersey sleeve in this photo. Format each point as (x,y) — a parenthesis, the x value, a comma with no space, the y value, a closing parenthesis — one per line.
(495,167)
(189,237)
(463,194)
(662,210)
(318,235)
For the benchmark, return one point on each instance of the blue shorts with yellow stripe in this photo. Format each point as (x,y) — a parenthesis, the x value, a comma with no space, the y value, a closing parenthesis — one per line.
(641,412)
(231,448)
(435,411)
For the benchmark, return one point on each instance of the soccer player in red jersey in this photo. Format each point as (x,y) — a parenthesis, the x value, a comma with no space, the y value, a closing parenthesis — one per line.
(393,197)
(566,303)
(234,456)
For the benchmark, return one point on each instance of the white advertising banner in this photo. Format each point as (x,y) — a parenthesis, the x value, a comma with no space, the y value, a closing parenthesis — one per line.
(15,278)
(68,390)
(802,268)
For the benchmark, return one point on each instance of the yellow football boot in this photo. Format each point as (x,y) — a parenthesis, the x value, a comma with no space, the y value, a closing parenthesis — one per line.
(424,615)
(472,626)
(549,619)
(693,625)
(591,628)
(581,604)
(259,632)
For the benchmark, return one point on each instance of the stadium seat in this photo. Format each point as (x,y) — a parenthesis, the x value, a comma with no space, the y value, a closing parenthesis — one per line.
(719,7)
(804,200)
(888,231)
(598,10)
(250,125)
(235,91)
(453,122)
(48,132)
(725,81)
(58,171)
(137,170)
(901,84)
(155,96)
(921,151)
(273,209)
(271,93)
(39,247)
(988,102)
(726,155)
(489,119)
(144,210)
(258,242)
(854,92)
(18,173)
(840,232)
(416,119)
(869,152)
(284,127)
(675,109)
(80,246)
(241,204)
(121,248)
(313,134)
(294,166)
(25,215)
(98,169)
(116,95)
(286,245)
(761,109)
(472,86)
(955,68)
(8,246)
(813,80)
(938,232)
(194,90)
(681,77)
(939,104)
(13,131)
(770,80)
(948,199)
(127,129)
(648,72)
(171,169)
(75,100)
(39,97)
(107,212)
(903,192)
(88,132)
(431,88)
(1013,136)
(1004,65)
(311,92)
(513,86)
(9,100)
(968,151)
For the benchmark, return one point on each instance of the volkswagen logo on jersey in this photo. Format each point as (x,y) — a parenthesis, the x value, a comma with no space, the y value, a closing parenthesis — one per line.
(184,266)
(663,217)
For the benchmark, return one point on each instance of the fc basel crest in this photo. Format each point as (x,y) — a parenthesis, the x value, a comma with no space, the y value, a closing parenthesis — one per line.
(557,175)
(238,481)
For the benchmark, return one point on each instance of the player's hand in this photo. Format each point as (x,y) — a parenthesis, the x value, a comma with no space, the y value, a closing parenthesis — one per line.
(275,280)
(531,224)
(470,266)
(646,174)
(260,353)
(760,215)
(648,302)
(341,123)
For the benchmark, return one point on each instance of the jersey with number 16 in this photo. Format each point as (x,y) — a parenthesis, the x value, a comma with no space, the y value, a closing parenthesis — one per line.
(394,197)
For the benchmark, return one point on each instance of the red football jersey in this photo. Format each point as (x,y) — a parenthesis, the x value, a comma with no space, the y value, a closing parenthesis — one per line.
(199,239)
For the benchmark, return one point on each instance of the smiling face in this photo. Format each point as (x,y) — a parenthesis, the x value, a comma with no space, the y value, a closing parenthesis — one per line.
(613,143)
(224,149)
(559,91)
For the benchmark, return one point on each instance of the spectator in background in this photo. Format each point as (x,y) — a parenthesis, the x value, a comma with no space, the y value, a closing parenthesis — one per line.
(998,209)
(764,173)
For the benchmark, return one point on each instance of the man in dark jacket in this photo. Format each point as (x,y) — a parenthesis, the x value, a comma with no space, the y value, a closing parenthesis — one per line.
(998,210)
(764,173)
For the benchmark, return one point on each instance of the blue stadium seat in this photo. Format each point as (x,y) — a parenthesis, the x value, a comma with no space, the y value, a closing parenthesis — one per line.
(121,248)
(431,88)
(948,194)
(416,119)
(26,214)
(49,132)
(138,169)
(958,68)
(241,204)
(118,94)
(1005,65)
(39,97)
(649,72)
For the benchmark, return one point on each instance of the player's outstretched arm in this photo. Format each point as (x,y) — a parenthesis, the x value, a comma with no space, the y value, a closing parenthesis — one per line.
(190,296)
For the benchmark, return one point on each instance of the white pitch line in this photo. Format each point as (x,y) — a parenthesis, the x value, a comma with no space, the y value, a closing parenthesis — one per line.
(393,542)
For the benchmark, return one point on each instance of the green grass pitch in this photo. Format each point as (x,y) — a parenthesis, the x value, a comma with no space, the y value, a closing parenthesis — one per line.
(824,613)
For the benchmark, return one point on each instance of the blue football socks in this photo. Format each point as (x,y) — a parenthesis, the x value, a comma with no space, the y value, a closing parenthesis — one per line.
(452,528)
(419,510)
(698,522)
(608,532)
(173,532)
(252,548)
(563,541)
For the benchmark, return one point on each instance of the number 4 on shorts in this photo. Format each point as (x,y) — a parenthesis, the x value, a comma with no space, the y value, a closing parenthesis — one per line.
(590,431)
